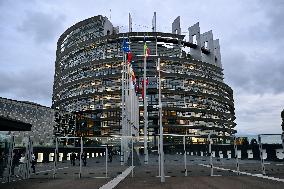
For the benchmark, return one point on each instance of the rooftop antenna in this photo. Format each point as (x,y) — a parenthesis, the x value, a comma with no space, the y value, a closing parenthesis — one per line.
(110,14)
(154,27)
(130,22)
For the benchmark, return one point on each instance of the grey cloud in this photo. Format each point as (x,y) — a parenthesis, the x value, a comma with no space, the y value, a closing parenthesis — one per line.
(41,26)
(250,34)
(261,75)
(252,60)
(29,85)
(275,12)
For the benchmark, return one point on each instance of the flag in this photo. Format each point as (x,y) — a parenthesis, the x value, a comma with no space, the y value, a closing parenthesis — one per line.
(145,47)
(146,50)
(133,76)
(129,57)
(125,46)
(147,82)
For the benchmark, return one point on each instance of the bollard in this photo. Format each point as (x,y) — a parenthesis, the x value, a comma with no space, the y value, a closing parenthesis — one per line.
(106,160)
(81,153)
(236,156)
(210,152)
(10,158)
(261,155)
(55,160)
(184,151)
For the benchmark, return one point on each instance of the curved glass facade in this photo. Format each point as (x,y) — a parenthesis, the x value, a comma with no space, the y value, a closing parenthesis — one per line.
(88,81)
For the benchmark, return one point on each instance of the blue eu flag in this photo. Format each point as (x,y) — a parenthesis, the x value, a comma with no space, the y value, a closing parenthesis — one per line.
(125,46)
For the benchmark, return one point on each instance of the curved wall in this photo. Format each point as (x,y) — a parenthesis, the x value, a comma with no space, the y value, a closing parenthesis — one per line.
(88,81)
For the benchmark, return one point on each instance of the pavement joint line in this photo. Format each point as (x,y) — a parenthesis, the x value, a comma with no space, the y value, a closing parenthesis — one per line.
(245,173)
(111,184)
(14,180)
(100,177)
(49,170)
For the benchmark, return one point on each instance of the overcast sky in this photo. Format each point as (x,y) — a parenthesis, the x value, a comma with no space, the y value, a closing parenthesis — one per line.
(250,33)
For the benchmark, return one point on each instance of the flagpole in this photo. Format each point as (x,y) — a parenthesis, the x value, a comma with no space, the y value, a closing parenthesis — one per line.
(131,118)
(123,114)
(145,112)
(127,111)
(161,126)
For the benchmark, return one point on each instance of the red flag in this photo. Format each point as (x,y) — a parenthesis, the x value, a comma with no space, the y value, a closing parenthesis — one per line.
(147,82)
(129,57)
(148,51)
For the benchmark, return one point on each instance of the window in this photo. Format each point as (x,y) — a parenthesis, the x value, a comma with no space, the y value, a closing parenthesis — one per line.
(206,45)
(194,39)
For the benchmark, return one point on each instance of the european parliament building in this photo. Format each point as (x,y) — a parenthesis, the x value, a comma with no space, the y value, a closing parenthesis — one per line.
(88,79)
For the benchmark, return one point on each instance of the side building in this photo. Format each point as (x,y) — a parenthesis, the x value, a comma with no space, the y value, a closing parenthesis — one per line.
(46,122)
(88,79)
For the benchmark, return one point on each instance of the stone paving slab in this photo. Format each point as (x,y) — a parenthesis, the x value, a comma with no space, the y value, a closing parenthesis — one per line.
(200,182)
(83,183)
(145,176)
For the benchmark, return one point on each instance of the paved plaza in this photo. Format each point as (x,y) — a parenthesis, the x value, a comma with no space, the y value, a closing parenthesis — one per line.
(95,174)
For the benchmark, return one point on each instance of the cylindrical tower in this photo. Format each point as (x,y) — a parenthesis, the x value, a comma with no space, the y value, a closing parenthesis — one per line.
(88,79)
